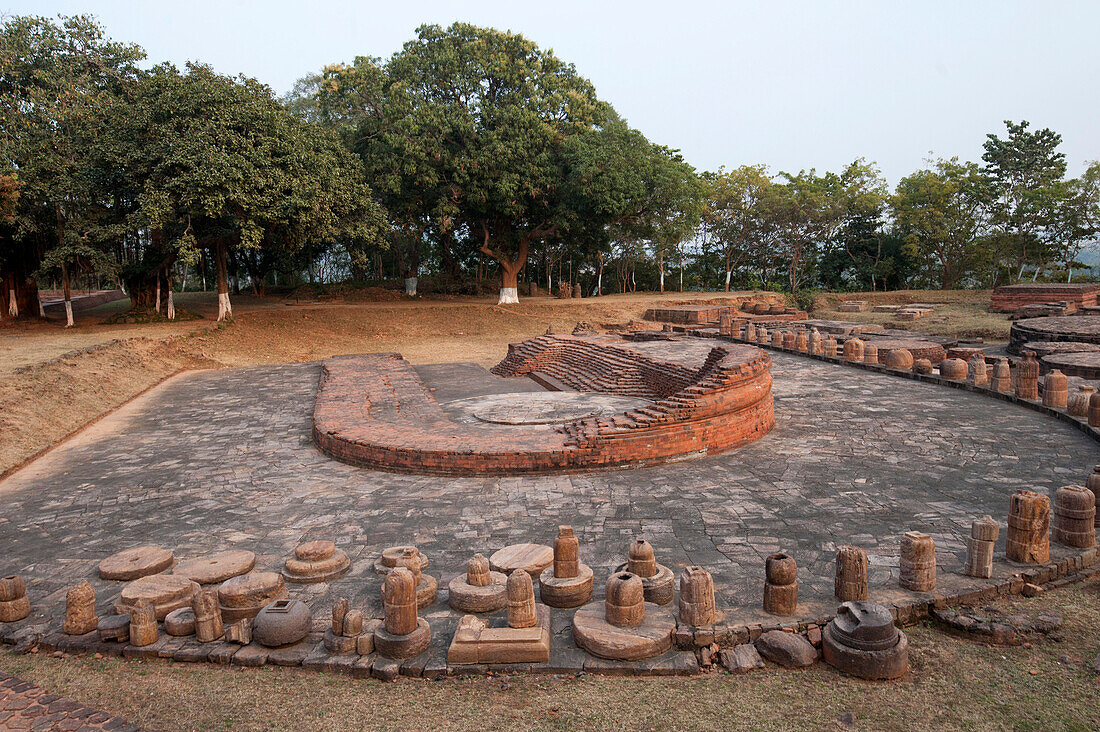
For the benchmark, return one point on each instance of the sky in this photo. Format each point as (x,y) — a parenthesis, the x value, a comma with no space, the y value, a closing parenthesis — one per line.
(791,85)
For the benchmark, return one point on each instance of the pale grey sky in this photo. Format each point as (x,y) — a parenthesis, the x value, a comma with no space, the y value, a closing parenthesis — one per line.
(788,84)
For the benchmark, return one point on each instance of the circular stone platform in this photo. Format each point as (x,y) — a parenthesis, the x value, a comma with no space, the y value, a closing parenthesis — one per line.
(551,408)
(1083,364)
(1076,328)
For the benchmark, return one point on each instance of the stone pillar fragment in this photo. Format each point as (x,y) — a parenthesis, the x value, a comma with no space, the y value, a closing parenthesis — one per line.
(1027,377)
(899,359)
(1078,404)
(918,562)
(477,571)
(80,617)
(978,370)
(14,603)
(870,354)
(1028,539)
(208,616)
(1093,484)
(979,547)
(830,348)
(566,553)
(143,623)
(697,597)
(953,369)
(625,602)
(802,342)
(816,346)
(521,600)
(851,574)
(399,601)
(1075,517)
(1056,390)
(1002,376)
(853,350)
(339,612)
(640,559)
(780,584)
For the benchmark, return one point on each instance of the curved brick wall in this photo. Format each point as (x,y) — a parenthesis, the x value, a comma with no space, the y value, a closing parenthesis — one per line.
(373,410)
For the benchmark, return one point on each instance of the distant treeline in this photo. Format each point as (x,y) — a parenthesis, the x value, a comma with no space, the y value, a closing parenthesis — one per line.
(469,154)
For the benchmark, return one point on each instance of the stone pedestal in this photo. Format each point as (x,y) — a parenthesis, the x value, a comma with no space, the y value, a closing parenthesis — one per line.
(316,561)
(143,624)
(14,603)
(620,630)
(657,579)
(1028,539)
(180,623)
(918,562)
(863,641)
(166,592)
(245,595)
(802,341)
(521,600)
(1002,376)
(830,348)
(532,558)
(816,346)
(851,574)
(870,354)
(1027,377)
(426,585)
(899,359)
(80,617)
(390,556)
(1093,484)
(780,584)
(1078,403)
(480,590)
(853,350)
(1056,390)
(953,369)
(208,617)
(402,634)
(216,568)
(568,582)
(1074,517)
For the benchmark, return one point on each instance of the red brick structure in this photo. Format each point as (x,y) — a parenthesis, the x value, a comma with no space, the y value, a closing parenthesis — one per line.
(373,410)
(1010,298)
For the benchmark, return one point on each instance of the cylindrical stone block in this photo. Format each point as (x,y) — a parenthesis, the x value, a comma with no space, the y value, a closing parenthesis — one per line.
(1094,410)
(399,601)
(566,553)
(1056,390)
(953,369)
(208,616)
(899,359)
(918,562)
(1075,517)
(640,559)
(830,348)
(979,558)
(802,341)
(143,624)
(777,338)
(1078,403)
(985,529)
(80,617)
(851,574)
(1093,484)
(339,612)
(870,353)
(922,366)
(12,587)
(789,340)
(521,600)
(780,584)
(1027,377)
(353,624)
(816,346)
(625,602)
(978,370)
(477,571)
(1028,538)
(697,597)
(853,350)
(1002,376)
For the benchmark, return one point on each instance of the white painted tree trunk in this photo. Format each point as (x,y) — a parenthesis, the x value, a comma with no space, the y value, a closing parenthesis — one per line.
(599,284)
(662,280)
(508,296)
(410,286)
(68,313)
(13,304)
(41,307)
(225,308)
(728,280)
(171,306)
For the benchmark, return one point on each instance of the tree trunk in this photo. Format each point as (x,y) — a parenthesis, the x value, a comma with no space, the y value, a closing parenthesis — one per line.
(13,300)
(170,309)
(599,277)
(68,295)
(661,268)
(225,307)
(509,269)
(156,301)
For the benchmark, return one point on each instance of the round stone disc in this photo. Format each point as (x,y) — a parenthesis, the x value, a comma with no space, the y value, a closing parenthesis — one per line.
(391,554)
(532,558)
(130,564)
(254,588)
(217,568)
(180,622)
(167,592)
(468,598)
(314,551)
(593,633)
(303,572)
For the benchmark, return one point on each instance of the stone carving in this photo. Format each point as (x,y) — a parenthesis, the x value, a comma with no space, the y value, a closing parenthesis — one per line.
(1002,376)
(218,567)
(918,562)
(863,641)
(1027,377)
(750,333)
(899,359)
(1093,484)
(80,617)
(239,632)
(953,369)
(208,616)
(568,582)
(625,603)
(180,622)
(114,628)
(1028,539)
(851,574)
(978,370)
(143,624)
(245,595)
(132,564)
(780,584)
(525,640)
(347,625)
(789,650)
(1078,404)
(853,350)
(830,348)
(1056,390)
(1074,517)
(657,579)
(402,634)
(624,627)
(339,611)
(697,597)
(789,339)
(167,592)
(922,366)
(777,338)
(870,353)
(979,548)
(316,561)
(390,555)
(14,603)
(1094,410)
(533,558)
(802,341)
(479,590)
(816,346)
(426,585)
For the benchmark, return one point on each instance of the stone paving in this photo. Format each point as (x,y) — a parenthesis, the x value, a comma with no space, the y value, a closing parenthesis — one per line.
(223,459)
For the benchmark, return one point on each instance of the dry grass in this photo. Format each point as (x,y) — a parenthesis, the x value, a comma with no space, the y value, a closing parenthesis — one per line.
(959,313)
(953,684)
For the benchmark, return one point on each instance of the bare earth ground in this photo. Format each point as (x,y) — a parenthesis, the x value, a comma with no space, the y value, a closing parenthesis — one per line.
(952,684)
(961,313)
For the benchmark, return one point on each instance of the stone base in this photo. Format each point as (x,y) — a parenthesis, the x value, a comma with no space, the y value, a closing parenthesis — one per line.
(475,642)
(467,598)
(403,646)
(426,591)
(307,573)
(658,589)
(593,633)
(889,663)
(387,560)
(566,591)
(533,558)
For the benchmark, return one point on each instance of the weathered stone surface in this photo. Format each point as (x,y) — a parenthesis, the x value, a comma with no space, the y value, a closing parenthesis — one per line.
(245,595)
(953,369)
(391,554)
(780,584)
(1074,517)
(180,622)
(282,623)
(979,547)
(19,606)
(658,582)
(978,370)
(1056,390)
(922,366)
(80,617)
(239,632)
(114,628)
(532,558)
(218,567)
(12,587)
(208,616)
(143,624)
(476,643)
(328,567)
(790,650)
(1093,484)
(396,646)
(567,582)
(899,359)
(853,350)
(1027,377)
(851,574)
(130,564)
(1078,403)
(650,637)
(918,562)
(480,590)
(863,641)
(339,644)
(339,612)
(521,600)
(1002,376)
(353,624)
(741,658)
(399,602)
(167,592)
(1028,538)
(697,606)
(625,603)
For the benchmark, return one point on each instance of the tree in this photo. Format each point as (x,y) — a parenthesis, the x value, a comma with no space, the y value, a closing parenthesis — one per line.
(734,220)
(1023,168)
(805,215)
(54,80)
(1075,217)
(942,214)
(863,194)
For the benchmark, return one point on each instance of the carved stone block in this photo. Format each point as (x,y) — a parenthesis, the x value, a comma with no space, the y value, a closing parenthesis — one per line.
(1056,390)
(1075,517)
(143,624)
(80,617)
(780,584)
(697,606)
(480,590)
(1027,377)
(1028,539)
(851,574)
(918,562)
